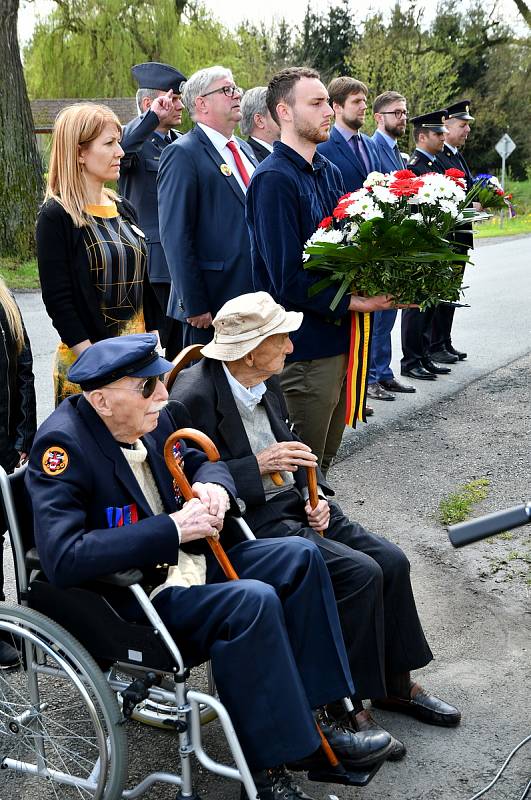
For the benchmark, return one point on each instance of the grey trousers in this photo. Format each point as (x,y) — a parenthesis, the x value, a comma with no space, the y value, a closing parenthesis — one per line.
(315,393)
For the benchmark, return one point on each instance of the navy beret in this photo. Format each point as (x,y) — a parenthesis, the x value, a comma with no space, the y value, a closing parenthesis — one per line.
(111,359)
(434,121)
(152,75)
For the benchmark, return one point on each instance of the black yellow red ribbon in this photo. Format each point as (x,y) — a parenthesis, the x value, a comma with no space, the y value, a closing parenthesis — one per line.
(358,366)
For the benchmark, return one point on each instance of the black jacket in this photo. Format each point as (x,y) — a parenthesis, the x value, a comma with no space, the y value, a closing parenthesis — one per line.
(67,289)
(18,420)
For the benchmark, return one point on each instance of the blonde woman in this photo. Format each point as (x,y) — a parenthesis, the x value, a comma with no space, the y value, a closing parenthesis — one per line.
(91,253)
(17,414)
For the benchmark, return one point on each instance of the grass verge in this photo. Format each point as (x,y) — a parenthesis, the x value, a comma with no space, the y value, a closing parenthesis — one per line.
(20,274)
(518,225)
(457,506)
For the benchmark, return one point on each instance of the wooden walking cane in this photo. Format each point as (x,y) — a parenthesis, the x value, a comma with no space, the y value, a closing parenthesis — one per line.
(311,474)
(174,464)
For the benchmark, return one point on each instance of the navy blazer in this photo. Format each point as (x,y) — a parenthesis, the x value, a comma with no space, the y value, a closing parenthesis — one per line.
(388,160)
(202,226)
(204,392)
(138,183)
(73,534)
(352,169)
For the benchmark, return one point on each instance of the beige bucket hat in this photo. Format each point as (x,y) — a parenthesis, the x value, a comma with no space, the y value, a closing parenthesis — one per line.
(245,322)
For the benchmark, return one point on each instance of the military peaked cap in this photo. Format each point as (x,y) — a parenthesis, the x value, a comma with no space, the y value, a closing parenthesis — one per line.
(153,75)
(434,121)
(460,110)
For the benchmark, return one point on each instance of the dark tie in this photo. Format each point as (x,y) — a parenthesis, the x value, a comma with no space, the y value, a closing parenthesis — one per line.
(398,157)
(359,151)
(167,139)
(239,163)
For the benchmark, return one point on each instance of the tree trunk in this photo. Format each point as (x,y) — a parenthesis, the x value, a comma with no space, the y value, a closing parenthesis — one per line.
(20,162)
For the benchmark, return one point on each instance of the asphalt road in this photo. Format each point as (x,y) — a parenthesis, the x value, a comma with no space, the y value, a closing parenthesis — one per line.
(474,603)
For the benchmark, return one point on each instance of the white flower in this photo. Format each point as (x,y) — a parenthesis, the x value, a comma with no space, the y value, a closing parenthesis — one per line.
(383,195)
(416,217)
(351,231)
(321,235)
(376,179)
(449,208)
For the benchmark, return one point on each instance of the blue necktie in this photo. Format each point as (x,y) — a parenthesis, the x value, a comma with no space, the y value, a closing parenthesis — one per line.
(398,157)
(359,150)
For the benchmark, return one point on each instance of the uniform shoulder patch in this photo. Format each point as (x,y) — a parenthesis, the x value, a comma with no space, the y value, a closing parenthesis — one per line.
(54,460)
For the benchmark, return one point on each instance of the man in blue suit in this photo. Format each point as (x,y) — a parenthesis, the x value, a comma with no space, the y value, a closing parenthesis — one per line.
(353,152)
(104,501)
(160,108)
(202,183)
(390,114)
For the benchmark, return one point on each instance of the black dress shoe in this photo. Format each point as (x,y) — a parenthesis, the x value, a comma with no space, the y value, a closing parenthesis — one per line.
(423,706)
(419,373)
(355,748)
(433,368)
(395,386)
(459,353)
(443,357)
(276,784)
(9,656)
(369,411)
(377,392)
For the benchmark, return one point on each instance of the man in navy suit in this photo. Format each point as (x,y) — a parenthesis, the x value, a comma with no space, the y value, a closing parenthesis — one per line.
(202,182)
(390,114)
(257,123)
(104,501)
(159,106)
(353,152)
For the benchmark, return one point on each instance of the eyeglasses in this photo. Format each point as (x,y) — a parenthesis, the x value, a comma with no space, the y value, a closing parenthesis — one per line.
(228,91)
(398,113)
(146,388)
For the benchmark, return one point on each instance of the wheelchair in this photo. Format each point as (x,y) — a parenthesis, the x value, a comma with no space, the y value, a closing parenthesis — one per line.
(82,672)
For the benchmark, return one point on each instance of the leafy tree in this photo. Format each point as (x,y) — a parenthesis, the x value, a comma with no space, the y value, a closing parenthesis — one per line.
(20,164)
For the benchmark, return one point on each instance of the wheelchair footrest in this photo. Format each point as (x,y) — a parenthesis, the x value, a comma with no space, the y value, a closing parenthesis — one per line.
(137,691)
(346,777)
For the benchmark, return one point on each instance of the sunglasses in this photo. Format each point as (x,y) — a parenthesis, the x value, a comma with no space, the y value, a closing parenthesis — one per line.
(146,388)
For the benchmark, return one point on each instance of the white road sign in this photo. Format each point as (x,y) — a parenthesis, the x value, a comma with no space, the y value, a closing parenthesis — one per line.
(505,146)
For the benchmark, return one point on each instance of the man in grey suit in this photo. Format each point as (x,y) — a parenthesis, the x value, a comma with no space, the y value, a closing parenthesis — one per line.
(390,114)
(202,182)
(257,123)
(158,101)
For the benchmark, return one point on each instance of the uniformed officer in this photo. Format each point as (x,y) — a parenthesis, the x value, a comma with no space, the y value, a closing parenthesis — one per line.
(159,106)
(104,501)
(458,129)
(428,132)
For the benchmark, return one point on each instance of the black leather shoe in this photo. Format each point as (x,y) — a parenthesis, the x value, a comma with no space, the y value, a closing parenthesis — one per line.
(443,357)
(395,386)
(276,784)
(9,656)
(355,748)
(366,722)
(377,392)
(369,411)
(422,705)
(433,368)
(419,373)
(459,353)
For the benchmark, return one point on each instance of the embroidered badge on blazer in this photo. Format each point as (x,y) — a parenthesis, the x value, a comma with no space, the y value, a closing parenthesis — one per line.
(54,460)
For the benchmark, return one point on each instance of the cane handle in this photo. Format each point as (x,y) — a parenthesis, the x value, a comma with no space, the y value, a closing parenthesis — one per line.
(311,474)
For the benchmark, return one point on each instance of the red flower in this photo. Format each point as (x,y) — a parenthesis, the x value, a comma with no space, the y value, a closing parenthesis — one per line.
(500,192)
(404,174)
(454,173)
(406,187)
(325,222)
(345,198)
(340,212)
(508,197)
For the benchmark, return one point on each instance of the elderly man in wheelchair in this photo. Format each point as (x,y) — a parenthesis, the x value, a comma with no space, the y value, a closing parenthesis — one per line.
(104,504)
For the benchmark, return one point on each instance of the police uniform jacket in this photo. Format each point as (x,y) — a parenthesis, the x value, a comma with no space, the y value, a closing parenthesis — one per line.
(208,402)
(138,183)
(420,163)
(78,479)
(451,160)
(202,226)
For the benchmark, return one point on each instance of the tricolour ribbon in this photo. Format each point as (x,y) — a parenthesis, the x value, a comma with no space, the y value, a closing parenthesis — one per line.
(358,366)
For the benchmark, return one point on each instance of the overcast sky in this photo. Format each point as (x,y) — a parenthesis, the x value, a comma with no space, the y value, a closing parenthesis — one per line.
(233,11)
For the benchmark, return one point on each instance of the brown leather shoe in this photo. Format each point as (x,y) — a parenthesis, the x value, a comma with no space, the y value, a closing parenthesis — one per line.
(422,705)
(369,411)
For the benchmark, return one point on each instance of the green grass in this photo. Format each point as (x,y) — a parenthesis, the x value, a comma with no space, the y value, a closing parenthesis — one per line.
(20,274)
(457,506)
(521,224)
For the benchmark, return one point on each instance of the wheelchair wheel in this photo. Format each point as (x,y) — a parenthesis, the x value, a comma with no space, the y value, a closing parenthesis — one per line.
(60,727)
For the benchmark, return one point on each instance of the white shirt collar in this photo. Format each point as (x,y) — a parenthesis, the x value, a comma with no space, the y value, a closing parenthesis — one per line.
(249,397)
(264,144)
(219,140)
(452,148)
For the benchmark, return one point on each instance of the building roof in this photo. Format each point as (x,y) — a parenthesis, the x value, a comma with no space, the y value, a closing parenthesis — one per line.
(45,111)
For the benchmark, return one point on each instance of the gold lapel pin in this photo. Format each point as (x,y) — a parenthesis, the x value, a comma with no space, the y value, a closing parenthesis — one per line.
(226,170)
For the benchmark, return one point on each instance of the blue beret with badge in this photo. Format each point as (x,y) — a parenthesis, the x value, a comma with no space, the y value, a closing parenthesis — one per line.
(111,359)
(153,75)
(434,121)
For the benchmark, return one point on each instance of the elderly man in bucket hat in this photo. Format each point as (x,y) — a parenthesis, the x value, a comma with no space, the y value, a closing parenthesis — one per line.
(233,395)
(104,500)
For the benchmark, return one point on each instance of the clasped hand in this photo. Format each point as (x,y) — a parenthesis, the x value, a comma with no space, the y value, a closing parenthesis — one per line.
(318,517)
(204,514)
(285,456)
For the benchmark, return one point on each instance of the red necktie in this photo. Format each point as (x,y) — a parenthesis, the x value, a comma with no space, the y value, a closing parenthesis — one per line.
(239,163)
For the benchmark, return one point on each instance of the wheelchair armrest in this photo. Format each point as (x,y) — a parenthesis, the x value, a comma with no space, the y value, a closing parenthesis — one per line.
(237,510)
(126,577)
